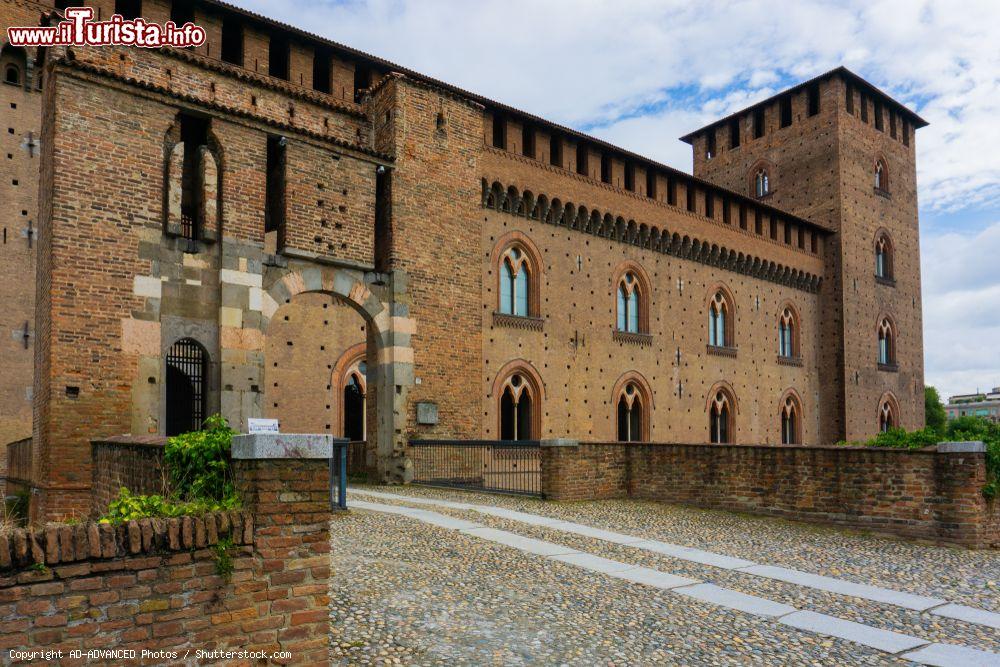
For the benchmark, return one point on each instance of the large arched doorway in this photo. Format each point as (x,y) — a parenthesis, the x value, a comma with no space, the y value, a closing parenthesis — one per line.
(187,364)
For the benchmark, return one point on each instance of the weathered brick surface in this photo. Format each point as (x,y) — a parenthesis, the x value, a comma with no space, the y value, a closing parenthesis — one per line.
(20,157)
(153,584)
(919,494)
(133,462)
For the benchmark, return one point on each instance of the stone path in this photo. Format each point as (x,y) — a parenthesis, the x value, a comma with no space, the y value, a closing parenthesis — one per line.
(835,619)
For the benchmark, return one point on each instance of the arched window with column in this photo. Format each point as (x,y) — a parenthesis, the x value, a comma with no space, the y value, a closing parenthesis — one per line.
(721,315)
(721,414)
(788,333)
(632,299)
(888,413)
(886,343)
(186,386)
(883,256)
(762,183)
(518,265)
(881,175)
(518,393)
(633,407)
(791,419)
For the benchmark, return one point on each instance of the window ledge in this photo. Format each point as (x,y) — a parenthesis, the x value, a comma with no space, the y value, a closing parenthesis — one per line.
(632,338)
(789,361)
(889,368)
(517,321)
(721,351)
(882,280)
(882,193)
(767,195)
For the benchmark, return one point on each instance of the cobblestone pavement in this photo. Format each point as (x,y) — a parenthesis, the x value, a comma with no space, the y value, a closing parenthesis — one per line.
(406,592)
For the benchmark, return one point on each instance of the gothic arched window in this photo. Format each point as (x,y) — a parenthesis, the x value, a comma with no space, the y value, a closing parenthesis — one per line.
(720,321)
(632,413)
(791,421)
(886,416)
(515,277)
(883,257)
(881,176)
(517,398)
(187,366)
(788,335)
(720,423)
(762,183)
(629,303)
(12,75)
(886,343)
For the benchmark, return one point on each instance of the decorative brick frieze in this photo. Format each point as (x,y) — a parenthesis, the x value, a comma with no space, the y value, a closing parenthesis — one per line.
(518,321)
(632,338)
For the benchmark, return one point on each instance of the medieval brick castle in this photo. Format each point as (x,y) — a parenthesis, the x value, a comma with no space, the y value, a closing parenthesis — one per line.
(276,225)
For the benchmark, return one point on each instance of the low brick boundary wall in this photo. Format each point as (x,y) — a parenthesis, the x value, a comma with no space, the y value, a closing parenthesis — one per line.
(135,462)
(154,584)
(925,494)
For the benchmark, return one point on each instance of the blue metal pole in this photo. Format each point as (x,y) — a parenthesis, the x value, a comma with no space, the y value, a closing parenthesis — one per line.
(342,495)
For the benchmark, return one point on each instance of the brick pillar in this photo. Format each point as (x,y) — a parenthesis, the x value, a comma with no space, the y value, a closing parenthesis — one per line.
(284,480)
(964,515)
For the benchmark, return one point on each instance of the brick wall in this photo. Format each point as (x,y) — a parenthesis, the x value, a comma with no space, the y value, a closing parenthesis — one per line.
(923,494)
(133,462)
(153,584)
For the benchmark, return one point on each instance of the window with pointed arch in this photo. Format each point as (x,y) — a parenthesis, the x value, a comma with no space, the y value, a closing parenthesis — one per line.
(633,413)
(788,334)
(518,403)
(761,183)
(720,320)
(883,257)
(886,343)
(515,273)
(881,176)
(720,417)
(629,303)
(887,416)
(791,421)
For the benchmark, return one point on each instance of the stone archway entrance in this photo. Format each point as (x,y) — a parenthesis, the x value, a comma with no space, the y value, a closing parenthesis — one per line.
(376,304)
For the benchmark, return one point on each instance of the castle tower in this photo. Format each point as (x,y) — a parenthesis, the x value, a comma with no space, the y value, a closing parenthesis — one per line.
(839,152)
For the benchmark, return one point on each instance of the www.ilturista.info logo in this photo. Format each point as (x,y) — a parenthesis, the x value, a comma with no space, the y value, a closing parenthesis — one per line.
(79,30)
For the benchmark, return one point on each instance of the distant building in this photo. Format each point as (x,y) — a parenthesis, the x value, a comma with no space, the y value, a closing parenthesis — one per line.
(978,405)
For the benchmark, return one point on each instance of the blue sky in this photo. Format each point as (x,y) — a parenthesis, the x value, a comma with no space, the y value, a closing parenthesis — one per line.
(641,73)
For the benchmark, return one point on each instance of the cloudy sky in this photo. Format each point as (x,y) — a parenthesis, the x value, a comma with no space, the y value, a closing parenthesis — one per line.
(641,73)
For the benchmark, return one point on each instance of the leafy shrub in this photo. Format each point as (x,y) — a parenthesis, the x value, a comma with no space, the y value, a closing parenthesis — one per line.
(129,507)
(199,462)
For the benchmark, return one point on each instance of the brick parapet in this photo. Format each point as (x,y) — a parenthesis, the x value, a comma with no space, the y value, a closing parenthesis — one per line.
(923,494)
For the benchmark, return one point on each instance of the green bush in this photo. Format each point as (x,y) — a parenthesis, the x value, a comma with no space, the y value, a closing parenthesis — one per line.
(129,507)
(199,462)
(200,478)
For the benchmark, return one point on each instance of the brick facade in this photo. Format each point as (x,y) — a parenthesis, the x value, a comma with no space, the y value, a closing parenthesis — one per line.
(923,494)
(396,193)
(155,584)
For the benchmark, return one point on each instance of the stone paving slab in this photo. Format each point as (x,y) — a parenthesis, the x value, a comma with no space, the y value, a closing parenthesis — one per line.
(529,544)
(655,578)
(842,587)
(949,655)
(883,640)
(724,597)
(513,515)
(969,615)
(594,563)
(590,531)
(693,555)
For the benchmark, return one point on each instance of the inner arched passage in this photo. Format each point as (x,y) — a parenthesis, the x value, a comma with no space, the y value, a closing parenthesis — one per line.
(316,362)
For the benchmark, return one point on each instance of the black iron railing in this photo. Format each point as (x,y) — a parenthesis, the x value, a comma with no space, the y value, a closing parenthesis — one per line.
(501,466)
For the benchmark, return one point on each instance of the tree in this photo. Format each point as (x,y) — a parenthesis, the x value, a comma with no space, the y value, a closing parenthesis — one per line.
(935,417)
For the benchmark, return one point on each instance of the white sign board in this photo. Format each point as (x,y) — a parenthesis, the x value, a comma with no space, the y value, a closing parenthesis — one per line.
(256,425)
